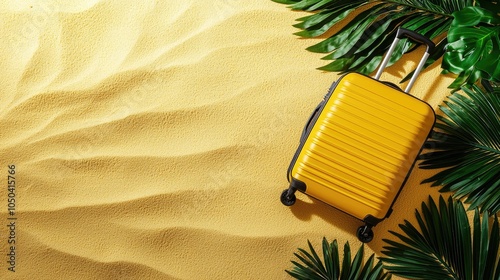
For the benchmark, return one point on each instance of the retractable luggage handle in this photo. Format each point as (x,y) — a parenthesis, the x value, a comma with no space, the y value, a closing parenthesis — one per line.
(306,127)
(402,32)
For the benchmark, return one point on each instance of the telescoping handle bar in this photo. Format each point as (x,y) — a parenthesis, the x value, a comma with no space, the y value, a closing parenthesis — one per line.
(401,33)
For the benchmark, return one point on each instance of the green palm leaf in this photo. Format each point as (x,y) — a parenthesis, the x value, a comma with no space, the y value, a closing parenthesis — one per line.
(360,44)
(466,145)
(443,246)
(312,267)
(471,49)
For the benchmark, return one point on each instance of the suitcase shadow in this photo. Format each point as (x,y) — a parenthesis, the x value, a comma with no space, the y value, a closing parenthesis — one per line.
(305,209)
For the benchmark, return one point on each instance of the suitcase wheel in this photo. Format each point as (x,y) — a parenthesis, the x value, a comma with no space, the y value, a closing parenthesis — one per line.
(288,197)
(365,234)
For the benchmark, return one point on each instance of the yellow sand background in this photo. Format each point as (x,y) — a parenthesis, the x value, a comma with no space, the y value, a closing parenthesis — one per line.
(151,139)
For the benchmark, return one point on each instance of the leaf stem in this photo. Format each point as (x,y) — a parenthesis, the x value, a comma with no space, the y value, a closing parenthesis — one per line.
(417,8)
(486,148)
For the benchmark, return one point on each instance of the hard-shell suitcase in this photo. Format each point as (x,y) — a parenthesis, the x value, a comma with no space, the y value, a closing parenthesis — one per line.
(361,143)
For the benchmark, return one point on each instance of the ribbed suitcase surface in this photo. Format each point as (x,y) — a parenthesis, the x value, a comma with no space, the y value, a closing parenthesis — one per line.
(362,146)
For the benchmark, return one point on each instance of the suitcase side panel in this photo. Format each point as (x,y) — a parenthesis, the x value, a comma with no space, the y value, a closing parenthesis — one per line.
(362,146)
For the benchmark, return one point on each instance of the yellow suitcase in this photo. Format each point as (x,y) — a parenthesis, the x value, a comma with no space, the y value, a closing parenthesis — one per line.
(361,143)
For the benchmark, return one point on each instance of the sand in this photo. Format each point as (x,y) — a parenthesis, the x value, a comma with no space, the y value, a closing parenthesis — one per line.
(151,140)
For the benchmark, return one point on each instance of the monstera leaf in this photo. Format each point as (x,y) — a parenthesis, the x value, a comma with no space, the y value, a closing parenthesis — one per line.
(445,245)
(473,50)
(330,268)
(465,146)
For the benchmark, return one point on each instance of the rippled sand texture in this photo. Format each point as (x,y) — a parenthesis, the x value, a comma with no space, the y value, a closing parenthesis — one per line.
(151,140)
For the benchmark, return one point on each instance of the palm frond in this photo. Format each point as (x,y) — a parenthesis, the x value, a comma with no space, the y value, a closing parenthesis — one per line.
(312,267)
(443,245)
(490,5)
(360,45)
(466,145)
(490,86)
(467,34)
